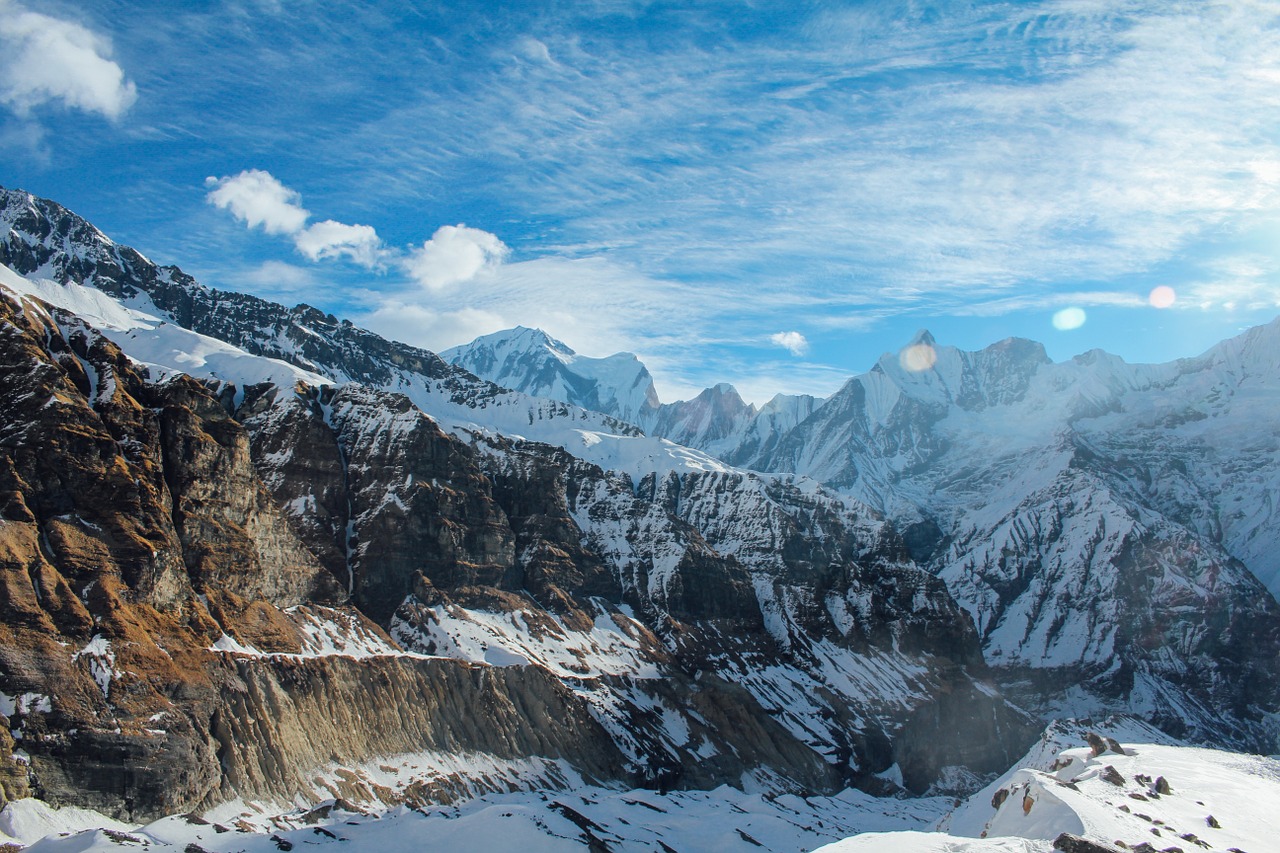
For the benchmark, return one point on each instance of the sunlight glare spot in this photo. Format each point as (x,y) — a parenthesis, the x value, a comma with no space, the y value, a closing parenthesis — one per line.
(1068,319)
(1162,297)
(917,357)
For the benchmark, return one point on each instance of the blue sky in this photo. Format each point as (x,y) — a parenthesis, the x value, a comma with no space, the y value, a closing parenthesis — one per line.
(770,194)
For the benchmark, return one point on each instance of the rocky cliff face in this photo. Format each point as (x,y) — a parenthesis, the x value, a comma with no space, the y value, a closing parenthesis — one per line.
(137,542)
(197,566)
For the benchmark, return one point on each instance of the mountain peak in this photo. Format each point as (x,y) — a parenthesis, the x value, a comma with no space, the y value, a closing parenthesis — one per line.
(922,336)
(530,360)
(522,338)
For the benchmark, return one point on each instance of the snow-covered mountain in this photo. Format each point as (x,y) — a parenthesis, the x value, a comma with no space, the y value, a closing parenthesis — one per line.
(531,361)
(717,421)
(1109,526)
(254,556)
(1103,522)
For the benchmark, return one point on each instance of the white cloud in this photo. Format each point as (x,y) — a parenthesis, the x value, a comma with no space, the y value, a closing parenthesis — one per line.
(793,342)
(454,254)
(44,59)
(256,198)
(330,239)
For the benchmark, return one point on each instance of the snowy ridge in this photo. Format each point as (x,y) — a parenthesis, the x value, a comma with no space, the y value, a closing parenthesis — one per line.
(152,341)
(149,337)
(717,421)
(48,243)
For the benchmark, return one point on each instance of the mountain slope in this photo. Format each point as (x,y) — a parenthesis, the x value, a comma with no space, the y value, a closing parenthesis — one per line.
(1076,511)
(1105,524)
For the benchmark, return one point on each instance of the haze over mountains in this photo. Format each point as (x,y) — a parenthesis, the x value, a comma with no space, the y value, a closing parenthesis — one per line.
(516,570)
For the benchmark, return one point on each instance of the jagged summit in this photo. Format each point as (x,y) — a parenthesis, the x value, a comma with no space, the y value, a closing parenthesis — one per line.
(922,336)
(533,362)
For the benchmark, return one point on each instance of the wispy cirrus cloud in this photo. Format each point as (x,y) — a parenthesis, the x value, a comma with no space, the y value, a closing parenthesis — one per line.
(717,167)
(880,148)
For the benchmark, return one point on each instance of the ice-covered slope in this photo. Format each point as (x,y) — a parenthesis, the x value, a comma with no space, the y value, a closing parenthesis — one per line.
(1152,791)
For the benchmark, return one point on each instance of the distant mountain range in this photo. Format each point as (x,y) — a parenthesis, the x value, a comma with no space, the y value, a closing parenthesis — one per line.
(1081,512)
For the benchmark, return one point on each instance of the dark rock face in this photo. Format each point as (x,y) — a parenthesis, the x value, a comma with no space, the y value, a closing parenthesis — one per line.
(234,537)
(379,490)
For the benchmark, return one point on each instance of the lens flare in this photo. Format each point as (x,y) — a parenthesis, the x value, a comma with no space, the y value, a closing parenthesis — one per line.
(917,357)
(1162,297)
(1068,319)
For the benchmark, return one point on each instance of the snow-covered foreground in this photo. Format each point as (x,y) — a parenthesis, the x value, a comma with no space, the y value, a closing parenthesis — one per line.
(722,820)
(1154,792)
